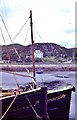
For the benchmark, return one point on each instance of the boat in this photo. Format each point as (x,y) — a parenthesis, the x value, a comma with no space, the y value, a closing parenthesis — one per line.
(34,102)
(39,71)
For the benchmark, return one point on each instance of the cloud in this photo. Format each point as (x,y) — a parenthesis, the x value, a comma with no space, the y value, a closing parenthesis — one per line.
(67,45)
(5,9)
(69,31)
(66,10)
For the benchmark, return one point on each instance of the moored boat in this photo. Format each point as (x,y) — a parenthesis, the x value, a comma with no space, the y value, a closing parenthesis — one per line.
(36,102)
(39,71)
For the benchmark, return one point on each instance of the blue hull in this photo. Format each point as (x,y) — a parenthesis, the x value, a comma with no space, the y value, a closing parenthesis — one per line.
(40,72)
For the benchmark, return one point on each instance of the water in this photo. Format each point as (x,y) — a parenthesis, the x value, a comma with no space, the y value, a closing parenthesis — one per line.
(9,81)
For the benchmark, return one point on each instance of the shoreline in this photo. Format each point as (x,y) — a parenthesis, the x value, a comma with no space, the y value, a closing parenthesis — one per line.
(44,67)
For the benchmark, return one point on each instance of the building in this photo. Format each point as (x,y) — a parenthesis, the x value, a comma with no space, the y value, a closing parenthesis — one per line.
(38,54)
(6,61)
(1,61)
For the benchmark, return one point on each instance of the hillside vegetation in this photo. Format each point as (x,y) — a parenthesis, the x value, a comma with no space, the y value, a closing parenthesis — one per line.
(51,53)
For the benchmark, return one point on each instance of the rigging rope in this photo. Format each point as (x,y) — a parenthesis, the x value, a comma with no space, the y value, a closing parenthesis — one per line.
(37,116)
(26,35)
(6,29)
(38,34)
(20,29)
(20,75)
(10,37)
(4,12)
(8,107)
(2,35)
(14,38)
(4,41)
(16,81)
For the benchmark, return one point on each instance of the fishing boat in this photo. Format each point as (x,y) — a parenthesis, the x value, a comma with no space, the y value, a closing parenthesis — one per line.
(35,102)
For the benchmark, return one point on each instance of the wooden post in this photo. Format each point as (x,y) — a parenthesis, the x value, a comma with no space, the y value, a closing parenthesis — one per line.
(43,104)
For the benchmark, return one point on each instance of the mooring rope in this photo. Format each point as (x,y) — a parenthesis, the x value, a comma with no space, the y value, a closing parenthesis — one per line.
(37,116)
(8,107)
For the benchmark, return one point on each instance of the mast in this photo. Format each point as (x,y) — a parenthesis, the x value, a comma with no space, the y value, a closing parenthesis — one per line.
(32,41)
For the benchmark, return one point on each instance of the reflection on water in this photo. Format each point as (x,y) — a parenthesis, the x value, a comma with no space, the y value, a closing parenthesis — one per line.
(53,80)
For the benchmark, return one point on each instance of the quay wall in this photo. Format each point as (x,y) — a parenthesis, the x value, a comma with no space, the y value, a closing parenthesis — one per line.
(44,67)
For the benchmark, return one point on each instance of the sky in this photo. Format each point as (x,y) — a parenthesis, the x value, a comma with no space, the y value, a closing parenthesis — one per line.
(53,21)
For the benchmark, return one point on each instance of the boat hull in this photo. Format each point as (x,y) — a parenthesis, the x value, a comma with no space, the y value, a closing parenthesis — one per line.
(58,104)
(39,72)
(58,108)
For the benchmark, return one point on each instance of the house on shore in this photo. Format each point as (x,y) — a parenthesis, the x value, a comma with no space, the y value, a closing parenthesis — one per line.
(38,54)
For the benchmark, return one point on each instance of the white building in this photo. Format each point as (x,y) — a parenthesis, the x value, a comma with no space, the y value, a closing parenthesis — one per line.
(38,54)
(1,61)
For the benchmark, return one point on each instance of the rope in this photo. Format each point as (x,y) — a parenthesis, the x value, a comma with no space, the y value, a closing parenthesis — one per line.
(9,36)
(16,81)
(37,116)
(39,34)
(6,28)
(8,108)
(2,35)
(20,29)
(4,42)
(26,35)
(4,12)
(20,75)
(15,36)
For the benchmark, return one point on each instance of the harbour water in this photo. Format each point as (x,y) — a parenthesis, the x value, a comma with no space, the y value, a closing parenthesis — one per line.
(9,81)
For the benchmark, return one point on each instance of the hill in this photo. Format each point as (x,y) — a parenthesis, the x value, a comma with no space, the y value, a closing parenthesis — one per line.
(9,52)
